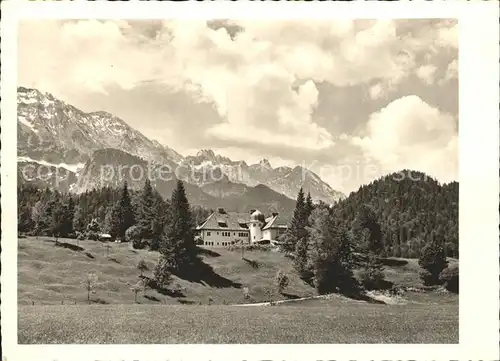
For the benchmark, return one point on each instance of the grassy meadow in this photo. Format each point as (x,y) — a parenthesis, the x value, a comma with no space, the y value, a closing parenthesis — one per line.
(53,304)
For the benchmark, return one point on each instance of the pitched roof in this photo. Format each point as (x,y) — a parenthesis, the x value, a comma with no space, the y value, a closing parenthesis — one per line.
(226,221)
(270,222)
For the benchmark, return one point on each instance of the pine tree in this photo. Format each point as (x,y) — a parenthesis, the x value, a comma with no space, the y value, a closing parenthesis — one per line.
(330,254)
(177,243)
(78,220)
(108,221)
(123,214)
(58,219)
(161,218)
(41,221)
(24,221)
(368,231)
(69,213)
(297,230)
(297,239)
(146,211)
(309,206)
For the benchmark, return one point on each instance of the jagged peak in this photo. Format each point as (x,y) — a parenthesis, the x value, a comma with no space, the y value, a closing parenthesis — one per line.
(265,163)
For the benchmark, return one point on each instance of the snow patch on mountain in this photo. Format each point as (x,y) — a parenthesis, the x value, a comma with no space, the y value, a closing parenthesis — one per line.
(75,168)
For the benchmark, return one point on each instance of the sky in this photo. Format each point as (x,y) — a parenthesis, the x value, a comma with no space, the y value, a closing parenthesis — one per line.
(350,99)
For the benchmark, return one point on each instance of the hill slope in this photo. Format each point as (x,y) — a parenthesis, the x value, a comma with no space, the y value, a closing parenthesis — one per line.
(412,209)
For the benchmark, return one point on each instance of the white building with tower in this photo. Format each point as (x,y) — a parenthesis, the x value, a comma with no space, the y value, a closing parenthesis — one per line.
(222,229)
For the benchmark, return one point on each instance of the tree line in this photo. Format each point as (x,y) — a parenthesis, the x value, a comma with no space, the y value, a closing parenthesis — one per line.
(138,216)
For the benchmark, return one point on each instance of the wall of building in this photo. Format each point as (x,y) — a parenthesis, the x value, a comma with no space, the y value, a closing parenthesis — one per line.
(255,231)
(218,238)
(269,234)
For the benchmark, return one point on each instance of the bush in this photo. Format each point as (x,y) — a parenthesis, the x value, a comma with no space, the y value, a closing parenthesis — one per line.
(433,261)
(372,278)
(282,280)
(142,266)
(92,235)
(133,234)
(162,274)
(427,278)
(80,236)
(449,277)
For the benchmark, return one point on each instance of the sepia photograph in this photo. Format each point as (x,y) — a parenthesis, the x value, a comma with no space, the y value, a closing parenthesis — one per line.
(237,181)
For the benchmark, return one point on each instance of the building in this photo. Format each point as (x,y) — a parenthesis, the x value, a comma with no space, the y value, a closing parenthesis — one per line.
(223,228)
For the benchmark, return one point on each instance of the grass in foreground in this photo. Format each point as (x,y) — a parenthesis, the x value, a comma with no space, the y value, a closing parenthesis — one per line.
(326,322)
(51,275)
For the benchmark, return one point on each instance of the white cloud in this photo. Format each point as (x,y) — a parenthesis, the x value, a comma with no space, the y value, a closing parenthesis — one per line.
(376,91)
(451,71)
(409,133)
(426,73)
(262,82)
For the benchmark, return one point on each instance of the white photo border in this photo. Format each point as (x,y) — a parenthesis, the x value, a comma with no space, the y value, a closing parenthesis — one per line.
(478,176)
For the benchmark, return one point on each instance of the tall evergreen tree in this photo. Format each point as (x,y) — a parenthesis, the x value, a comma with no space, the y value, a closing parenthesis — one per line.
(108,221)
(309,205)
(69,213)
(177,243)
(298,236)
(24,220)
(78,220)
(330,254)
(370,242)
(58,219)
(123,214)
(146,211)
(41,222)
(297,230)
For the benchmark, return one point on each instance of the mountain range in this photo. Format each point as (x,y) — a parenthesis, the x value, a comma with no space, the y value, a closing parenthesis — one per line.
(75,150)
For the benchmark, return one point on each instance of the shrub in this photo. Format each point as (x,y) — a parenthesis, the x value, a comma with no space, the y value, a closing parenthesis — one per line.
(449,277)
(142,266)
(80,236)
(433,261)
(132,233)
(246,293)
(92,235)
(162,274)
(282,280)
(372,276)
(268,292)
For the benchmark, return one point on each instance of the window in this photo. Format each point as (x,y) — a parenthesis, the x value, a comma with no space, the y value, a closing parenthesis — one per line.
(208,234)
(217,233)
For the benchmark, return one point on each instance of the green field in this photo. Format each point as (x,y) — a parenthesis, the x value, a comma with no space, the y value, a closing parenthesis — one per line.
(331,322)
(53,304)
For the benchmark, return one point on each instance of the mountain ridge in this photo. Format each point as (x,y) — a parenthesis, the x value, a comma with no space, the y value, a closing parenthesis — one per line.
(54,132)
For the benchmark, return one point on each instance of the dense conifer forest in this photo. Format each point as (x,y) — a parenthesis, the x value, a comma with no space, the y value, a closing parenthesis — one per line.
(412,209)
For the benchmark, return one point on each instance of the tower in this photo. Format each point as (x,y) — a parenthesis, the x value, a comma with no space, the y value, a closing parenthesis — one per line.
(257,221)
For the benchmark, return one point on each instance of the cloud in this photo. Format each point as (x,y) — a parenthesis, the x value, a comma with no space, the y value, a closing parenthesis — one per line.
(261,86)
(451,72)
(376,91)
(426,73)
(409,133)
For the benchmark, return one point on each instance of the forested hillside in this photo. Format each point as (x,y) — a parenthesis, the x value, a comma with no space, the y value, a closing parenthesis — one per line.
(412,209)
